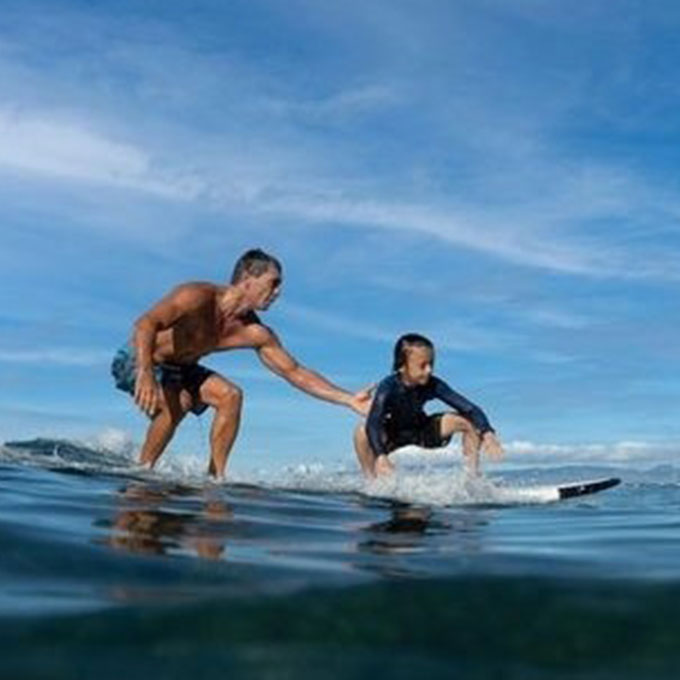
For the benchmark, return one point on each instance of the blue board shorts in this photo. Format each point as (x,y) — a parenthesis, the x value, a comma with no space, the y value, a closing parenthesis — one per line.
(189,377)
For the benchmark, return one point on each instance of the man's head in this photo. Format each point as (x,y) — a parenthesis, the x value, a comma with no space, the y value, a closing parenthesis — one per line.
(259,275)
(414,358)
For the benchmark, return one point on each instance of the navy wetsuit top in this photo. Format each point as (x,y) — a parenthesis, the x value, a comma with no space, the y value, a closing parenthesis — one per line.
(398,407)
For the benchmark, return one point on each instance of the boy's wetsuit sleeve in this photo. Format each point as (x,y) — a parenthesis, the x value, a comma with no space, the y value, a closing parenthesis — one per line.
(376,417)
(466,408)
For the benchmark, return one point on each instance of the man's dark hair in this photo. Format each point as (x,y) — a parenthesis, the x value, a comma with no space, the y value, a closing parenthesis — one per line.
(254,262)
(405,342)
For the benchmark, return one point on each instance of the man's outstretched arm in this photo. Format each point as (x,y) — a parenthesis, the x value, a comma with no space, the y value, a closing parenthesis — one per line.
(278,360)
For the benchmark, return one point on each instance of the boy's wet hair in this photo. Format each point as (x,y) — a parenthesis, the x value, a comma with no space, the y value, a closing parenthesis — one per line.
(407,341)
(254,262)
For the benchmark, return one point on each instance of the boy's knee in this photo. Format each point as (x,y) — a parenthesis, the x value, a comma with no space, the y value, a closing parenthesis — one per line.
(452,423)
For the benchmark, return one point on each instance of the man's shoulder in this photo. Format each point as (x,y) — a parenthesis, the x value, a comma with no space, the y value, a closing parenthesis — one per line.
(204,286)
(258,333)
(198,290)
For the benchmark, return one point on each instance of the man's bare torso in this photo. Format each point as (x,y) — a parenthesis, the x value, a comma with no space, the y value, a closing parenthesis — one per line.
(205,328)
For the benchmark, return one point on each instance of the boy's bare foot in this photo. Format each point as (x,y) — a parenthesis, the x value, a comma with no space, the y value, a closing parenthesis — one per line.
(383,466)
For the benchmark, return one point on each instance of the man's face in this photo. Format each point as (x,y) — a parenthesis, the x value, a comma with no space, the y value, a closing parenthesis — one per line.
(264,289)
(417,368)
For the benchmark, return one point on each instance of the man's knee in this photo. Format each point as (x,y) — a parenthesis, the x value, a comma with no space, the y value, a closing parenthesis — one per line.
(229,398)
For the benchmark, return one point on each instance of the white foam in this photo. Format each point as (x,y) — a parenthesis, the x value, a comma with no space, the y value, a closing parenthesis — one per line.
(114,440)
(434,479)
(443,482)
(438,480)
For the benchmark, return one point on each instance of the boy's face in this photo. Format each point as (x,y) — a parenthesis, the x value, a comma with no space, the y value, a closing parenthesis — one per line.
(417,368)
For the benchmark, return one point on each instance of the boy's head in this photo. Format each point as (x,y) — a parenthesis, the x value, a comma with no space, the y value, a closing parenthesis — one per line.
(414,358)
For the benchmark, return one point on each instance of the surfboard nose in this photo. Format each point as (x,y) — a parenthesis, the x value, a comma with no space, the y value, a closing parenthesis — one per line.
(585,488)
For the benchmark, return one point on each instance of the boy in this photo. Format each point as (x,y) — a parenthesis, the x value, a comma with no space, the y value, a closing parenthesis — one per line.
(397,418)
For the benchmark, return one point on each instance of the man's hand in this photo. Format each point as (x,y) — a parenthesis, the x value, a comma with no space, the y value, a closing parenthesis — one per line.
(361,400)
(491,446)
(147,392)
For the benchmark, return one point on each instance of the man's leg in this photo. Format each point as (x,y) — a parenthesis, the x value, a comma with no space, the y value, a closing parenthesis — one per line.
(227,400)
(450,424)
(173,407)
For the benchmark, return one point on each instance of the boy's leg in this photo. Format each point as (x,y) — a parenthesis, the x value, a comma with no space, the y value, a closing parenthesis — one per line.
(363,450)
(174,405)
(451,424)
(383,466)
(371,465)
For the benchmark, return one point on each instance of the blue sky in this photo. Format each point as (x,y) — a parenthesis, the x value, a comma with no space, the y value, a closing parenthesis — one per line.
(500,175)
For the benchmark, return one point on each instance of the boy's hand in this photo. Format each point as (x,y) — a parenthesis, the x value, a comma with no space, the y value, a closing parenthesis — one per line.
(361,400)
(491,446)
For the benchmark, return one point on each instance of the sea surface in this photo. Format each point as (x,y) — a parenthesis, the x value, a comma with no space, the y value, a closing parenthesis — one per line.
(108,571)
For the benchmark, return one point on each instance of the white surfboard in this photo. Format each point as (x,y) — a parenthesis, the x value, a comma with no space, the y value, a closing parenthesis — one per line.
(558,492)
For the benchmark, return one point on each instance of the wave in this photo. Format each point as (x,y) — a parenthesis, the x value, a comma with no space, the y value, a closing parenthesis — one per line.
(432,479)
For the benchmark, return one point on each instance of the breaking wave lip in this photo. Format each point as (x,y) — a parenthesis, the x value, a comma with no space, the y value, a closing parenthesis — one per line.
(67,456)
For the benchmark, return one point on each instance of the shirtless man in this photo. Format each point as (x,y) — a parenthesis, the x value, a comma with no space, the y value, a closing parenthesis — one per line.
(159,366)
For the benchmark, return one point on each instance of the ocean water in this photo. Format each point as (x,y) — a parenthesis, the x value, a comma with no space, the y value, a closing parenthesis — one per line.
(108,571)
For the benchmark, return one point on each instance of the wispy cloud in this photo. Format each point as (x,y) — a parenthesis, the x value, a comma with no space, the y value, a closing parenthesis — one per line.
(449,335)
(61,356)
(466,229)
(535,236)
(617,452)
(336,323)
(34,143)
(518,195)
(338,106)
(555,318)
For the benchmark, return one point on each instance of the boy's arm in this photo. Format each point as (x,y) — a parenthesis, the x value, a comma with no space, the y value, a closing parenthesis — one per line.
(465,407)
(375,420)
(490,443)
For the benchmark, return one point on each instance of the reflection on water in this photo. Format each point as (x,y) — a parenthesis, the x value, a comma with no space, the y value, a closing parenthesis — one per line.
(282,529)
(147,521)
(404,532)
(407,541)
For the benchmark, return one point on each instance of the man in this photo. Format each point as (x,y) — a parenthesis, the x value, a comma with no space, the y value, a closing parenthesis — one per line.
(160,368)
